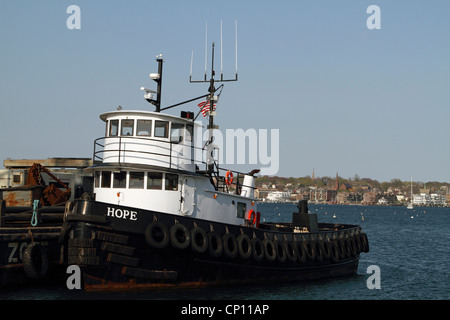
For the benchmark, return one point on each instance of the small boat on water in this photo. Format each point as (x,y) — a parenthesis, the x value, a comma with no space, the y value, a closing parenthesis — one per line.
(158,217)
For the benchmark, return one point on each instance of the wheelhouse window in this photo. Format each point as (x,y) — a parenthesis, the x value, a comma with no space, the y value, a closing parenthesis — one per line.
(106,179)
(107,128)
(113,128)
(241,208)
(97,179)
(189,132)
(154,180)
(176,132)
(136,180)
(161,129)
(171,182)
(127,128)
(144,128)
(120,179)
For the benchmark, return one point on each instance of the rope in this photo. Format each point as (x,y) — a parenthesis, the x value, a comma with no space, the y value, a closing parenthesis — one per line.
(34,218)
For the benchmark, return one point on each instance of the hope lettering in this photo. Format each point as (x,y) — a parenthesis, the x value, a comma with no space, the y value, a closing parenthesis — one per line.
(122,214)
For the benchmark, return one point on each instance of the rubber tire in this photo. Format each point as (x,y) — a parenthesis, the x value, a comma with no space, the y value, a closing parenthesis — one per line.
(243,243)
(258,249)
(174,236)
(217,249)
(35,261)
(199,234)
(150,236)
(230,246)
(269,253)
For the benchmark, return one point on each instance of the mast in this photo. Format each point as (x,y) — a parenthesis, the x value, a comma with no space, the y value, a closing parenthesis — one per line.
(211,97)
(157,77)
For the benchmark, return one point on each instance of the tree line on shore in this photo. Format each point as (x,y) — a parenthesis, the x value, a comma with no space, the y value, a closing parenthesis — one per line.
(356,183)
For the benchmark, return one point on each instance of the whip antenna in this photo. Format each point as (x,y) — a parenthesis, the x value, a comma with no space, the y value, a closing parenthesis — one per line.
(235,36)
(206,47)
(221,55)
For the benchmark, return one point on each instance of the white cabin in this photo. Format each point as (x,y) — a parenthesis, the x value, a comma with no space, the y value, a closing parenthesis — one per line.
(146,160)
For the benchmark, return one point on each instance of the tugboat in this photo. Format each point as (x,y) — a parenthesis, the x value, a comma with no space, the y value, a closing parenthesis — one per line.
(157,217)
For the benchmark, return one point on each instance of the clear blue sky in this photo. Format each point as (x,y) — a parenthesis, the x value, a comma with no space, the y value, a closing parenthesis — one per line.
(345,98)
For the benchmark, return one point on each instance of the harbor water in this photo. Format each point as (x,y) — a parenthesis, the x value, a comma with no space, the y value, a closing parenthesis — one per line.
(409,248)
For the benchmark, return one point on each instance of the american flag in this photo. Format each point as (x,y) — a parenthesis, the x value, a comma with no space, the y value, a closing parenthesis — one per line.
(205,107)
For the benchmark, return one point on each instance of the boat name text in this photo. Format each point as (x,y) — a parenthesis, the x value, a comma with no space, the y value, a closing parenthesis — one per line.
(123,214)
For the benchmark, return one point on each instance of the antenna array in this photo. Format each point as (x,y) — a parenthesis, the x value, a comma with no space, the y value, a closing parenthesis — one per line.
(221,58)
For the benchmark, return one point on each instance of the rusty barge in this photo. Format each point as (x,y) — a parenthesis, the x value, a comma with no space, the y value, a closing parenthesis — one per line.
(33,196)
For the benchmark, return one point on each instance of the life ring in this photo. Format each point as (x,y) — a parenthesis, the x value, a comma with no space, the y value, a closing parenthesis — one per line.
(292,250)
(228,178)
(258,249)
(280,248)
(251,217)
(199,240)
(230,245)
(157,235)
(35,261)
(215,244)
(270,252)
(180,237)
(245,246)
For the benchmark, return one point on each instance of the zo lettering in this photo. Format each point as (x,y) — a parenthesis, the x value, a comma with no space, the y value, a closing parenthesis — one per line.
(122,214)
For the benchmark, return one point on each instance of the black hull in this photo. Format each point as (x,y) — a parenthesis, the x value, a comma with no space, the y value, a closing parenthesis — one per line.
(115,254)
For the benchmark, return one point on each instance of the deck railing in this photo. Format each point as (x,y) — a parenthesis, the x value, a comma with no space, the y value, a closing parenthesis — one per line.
(167,154)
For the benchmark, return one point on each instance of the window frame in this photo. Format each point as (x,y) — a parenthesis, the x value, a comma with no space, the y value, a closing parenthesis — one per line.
(167,185)
(158,187)
(102,180)
(120,181)
(134,185)
(181,129)
(189,133)
(122,126)
(138,121)
(157,126)
(241,209)
(113,123)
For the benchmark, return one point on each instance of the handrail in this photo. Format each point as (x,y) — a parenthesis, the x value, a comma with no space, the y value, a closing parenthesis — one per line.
(99,155)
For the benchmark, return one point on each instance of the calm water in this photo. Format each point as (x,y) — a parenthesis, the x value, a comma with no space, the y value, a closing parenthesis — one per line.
(411,248)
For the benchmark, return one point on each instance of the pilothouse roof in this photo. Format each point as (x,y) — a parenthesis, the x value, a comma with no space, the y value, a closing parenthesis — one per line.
(142,114)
